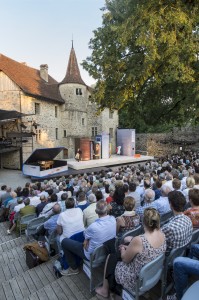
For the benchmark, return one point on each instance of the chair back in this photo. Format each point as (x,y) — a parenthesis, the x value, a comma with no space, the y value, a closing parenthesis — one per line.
(150,274)
(173,254)
(33,225)
(195,237)
(192,292)
(98,256)
(134,232)
(26,219)
(165,217)
(51,239)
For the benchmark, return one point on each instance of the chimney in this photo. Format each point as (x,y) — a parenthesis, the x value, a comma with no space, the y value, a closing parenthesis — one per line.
(44,72)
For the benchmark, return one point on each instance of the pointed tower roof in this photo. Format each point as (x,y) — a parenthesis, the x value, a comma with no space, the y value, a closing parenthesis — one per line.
(72,73)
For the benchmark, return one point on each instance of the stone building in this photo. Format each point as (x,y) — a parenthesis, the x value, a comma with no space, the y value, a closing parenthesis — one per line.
(56,114)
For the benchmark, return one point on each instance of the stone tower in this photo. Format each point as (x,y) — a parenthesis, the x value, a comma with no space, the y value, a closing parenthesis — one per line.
(75,93)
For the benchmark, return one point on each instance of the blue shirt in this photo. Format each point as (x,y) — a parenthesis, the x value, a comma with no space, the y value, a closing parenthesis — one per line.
(140,210)
(162,205)
(100,231)
(51,223)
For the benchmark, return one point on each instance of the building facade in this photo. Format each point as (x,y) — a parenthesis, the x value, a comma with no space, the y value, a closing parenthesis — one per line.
(56,114)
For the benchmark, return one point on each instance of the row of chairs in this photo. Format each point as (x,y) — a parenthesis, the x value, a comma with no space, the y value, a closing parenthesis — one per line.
(150,274)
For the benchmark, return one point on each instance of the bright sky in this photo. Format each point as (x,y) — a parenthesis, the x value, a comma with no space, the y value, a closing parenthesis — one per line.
(40,32)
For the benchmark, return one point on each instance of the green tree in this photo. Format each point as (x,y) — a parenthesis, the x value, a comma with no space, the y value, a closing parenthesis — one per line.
(145,60)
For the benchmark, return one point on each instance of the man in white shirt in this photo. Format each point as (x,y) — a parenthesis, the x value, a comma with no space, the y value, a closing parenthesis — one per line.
(70,221)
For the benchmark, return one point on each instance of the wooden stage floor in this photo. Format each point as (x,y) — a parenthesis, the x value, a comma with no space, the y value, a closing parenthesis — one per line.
(114,160)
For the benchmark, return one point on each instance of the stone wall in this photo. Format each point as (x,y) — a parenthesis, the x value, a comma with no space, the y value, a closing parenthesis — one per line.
(73,119)
(160,144)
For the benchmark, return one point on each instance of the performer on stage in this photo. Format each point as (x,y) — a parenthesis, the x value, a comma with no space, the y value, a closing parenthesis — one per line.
(78,155)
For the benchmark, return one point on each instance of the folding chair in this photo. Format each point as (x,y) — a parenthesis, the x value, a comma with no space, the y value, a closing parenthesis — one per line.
(33,225)
(134,232)
(24,221)
(149,276)
(168,266)
(97,258)
(51,240)
(165,217)
(195,237)
(192,292)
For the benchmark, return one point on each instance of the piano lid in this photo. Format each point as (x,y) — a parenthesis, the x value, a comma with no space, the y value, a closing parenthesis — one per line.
(43,154)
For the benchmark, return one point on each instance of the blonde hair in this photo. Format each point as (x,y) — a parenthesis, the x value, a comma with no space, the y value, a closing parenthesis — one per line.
(190,182)
(129,203)
(151,219)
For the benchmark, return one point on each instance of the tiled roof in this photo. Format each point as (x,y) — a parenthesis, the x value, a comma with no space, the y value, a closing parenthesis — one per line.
(29,80)
(72,73)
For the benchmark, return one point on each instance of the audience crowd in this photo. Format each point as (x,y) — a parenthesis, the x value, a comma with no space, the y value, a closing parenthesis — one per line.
(87,210)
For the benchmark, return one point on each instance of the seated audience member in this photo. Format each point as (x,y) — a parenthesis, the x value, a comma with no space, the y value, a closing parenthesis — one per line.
(183,268)
(103,229)
(47,210)
(34,198)
(162,204)
(82,202)
(185,175)
(89,214)
(176,184)
(61,191)
(26,210)
(190,182)
(40,206)
(141,250)
(43,192)
(128,220)
(157,189)
(193,212)
(99,195)
(51,224)
(5,194)
(133,193)
(116,207)
(62,203)
(111,189)
(5,206)
(149,197)
(196,178)
(20,204)
(70,221)
(2,191)
(178,230)
(169,180)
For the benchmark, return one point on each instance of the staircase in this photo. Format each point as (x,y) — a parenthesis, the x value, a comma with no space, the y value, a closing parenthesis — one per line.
(17,282)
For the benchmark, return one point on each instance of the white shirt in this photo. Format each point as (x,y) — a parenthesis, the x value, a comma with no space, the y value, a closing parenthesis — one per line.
(18,207)
(89,214)
(35,201)
(71,221)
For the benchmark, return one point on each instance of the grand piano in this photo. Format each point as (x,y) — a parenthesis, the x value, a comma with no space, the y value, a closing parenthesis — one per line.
(43,163)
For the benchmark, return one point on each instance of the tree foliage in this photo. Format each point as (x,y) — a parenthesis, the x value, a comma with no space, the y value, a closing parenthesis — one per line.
(145,60)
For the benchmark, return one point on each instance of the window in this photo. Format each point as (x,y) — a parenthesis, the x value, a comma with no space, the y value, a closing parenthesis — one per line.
(38,135)
(94,131)
(110,114)
(56,111)
(64,133)
(56,133)
(37,108)
(78,91)
(83,121)
(111,132)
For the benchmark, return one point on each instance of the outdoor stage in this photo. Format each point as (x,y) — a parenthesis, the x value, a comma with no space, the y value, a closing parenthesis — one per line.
(114,160)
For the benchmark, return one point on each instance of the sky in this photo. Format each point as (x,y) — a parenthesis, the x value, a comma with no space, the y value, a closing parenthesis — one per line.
(41,32)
